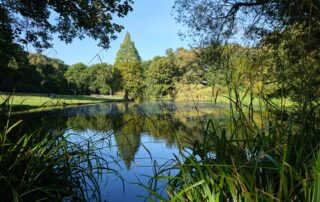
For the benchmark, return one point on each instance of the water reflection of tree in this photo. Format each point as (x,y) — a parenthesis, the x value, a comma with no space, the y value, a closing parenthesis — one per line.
(129,127)
(127,124)
(128,130)
(100,123)
(174,131)
(41,122)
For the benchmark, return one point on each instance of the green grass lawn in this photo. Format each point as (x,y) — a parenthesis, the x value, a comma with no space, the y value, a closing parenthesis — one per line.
(27,101)
(200,93)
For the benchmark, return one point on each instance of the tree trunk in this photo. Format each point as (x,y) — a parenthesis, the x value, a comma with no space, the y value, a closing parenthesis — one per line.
(126,95)
(110,91)
(126,107)
(216,97)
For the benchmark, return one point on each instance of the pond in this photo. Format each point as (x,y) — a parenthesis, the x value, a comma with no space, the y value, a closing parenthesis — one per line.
(132,137)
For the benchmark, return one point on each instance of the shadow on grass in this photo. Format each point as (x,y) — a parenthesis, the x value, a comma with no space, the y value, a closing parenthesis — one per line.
(23,107)
(87,98)
(66,97)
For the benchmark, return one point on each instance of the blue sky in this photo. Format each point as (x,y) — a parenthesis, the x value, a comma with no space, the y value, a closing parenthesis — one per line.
(152,28)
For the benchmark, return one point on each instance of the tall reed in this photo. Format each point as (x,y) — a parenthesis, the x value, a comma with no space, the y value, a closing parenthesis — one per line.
(259,157)
(272,164)
(46,167)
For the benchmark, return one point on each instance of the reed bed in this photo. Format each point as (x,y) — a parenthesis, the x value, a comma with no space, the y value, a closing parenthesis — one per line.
(267,155)
(36,166)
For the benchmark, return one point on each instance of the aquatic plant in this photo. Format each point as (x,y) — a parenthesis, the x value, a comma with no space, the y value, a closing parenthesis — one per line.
(261,156)
(40,166)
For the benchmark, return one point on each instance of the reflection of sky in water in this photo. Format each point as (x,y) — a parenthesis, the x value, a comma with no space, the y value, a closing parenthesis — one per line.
(129,134)
(141,166)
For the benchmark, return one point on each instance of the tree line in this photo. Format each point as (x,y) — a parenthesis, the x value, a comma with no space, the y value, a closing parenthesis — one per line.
(217,66)
(283,59)
(36,73)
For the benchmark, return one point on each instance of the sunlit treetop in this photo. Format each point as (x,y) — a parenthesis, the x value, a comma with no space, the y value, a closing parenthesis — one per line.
(127,51)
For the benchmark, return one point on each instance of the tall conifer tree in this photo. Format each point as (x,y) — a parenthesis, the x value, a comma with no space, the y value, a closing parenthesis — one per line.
(128,63)
(127,51)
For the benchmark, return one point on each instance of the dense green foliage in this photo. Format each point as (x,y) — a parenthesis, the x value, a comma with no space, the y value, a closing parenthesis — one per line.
(96,79)
(277,157)
(278,54)
(32,22)
(284,35)
(128,64)
(36,73)
(127,51)
(131,79)
(161,77)
(75,76)
(40,74)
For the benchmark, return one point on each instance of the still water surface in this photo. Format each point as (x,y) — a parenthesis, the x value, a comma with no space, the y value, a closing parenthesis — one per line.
(132,137)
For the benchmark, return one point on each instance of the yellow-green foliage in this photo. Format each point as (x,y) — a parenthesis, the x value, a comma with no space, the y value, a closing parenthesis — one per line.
(201,93)
(193,92)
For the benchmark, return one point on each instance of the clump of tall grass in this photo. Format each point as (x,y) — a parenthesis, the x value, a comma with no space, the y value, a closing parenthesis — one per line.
(271,161)
(46,167)
(191,92)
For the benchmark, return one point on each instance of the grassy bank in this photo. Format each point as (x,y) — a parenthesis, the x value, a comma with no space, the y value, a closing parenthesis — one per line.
(201,93)
(31,101)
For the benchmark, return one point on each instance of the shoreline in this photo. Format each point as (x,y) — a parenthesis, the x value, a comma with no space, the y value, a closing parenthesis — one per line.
(34,102)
